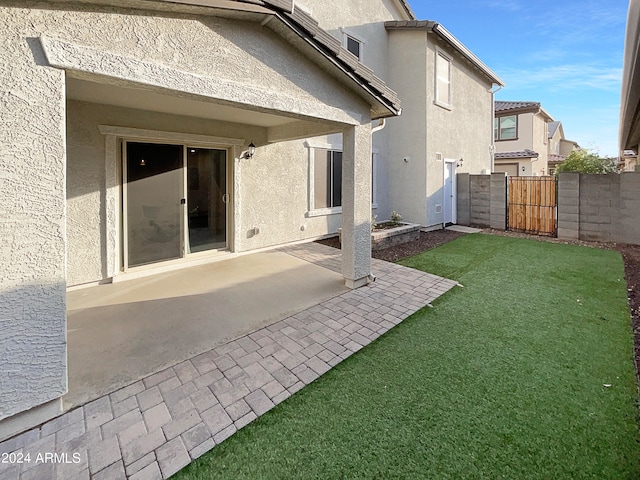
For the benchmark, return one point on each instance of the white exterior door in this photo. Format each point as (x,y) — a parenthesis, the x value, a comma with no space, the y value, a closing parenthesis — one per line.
(449,200)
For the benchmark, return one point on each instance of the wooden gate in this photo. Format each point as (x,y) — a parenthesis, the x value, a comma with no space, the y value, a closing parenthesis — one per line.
(531,205)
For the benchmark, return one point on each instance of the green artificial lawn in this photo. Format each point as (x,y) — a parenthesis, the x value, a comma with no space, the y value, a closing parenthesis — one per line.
(504,378)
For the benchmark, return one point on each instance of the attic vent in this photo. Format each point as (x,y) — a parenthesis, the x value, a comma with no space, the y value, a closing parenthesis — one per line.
(438,208)
(438,157)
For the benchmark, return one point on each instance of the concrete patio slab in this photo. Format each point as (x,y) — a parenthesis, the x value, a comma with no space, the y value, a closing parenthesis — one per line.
(463,229)
(122,332)
(155,426)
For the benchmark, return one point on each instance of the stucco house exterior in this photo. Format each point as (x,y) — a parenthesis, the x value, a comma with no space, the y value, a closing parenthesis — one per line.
(630,96)
(521,133)
(146,135)
(558,147)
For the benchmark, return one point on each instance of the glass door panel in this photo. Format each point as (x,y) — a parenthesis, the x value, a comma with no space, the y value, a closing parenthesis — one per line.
(206,199)
(154,179)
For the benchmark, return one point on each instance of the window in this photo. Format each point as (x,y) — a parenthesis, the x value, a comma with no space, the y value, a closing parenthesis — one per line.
(505,128)
(354,46)
(327,178)
(443,80)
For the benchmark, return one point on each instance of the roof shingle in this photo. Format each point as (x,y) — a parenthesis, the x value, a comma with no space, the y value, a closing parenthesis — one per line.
(526,153)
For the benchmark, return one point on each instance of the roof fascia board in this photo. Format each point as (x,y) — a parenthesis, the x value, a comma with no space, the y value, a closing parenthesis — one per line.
(549,118)
(434,27)
(187,6)
(305,36)
(447,36)
(407,8)
(518,111)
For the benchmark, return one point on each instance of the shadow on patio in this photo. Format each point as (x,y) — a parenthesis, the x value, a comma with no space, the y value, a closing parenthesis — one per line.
(122,332)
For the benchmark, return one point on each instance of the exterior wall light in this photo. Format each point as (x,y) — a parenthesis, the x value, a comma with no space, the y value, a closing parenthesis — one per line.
(249,153)
(460,162)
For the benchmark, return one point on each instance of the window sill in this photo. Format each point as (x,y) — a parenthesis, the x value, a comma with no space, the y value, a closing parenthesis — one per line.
(505,139)
(321,212)
(446,106)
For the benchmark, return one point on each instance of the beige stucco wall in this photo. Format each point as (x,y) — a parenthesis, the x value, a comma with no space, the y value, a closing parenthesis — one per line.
(407,167)
(462,132)
(554,142)
(275,67)
(86,160)
(532,135)
(540,145)
(365,19)
(32,230)
(156,52)
(426,129)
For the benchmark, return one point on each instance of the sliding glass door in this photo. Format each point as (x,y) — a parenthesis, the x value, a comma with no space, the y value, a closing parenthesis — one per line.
(206,199)
(174,201)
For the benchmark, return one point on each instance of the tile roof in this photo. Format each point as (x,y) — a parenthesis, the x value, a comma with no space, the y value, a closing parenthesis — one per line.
(526,153)
(502,106)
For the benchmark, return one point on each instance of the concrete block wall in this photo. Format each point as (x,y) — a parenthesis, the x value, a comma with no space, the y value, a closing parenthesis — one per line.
(598,206)
(498,206)
(480,209)
(629,207)
(569,206)
(601,208)
(463,199)
(481,199)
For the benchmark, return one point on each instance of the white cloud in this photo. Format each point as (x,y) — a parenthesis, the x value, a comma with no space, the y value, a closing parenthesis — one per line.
(562,77)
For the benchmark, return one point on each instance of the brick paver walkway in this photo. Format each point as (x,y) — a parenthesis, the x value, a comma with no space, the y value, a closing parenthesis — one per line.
(156,426)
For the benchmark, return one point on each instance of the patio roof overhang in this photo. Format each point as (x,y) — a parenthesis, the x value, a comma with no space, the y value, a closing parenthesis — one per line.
(297,28)
(630,98)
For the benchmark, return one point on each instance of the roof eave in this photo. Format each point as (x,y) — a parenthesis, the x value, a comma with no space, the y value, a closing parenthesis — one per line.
(448,37)
(458,45)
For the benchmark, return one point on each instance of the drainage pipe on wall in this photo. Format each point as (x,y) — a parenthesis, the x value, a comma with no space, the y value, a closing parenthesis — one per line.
(492,148)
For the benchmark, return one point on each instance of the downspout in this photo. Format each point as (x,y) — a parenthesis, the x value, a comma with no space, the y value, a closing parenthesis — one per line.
(492,148)
(380,126)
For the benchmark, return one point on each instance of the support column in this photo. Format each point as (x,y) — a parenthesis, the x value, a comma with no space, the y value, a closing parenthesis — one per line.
(33,347)
(356,205)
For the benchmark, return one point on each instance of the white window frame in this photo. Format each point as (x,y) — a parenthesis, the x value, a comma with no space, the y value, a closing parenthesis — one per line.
(312,211)
(447,57)
(346,34)
(311,146)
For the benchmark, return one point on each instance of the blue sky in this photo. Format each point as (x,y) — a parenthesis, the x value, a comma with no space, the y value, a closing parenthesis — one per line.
(565,54)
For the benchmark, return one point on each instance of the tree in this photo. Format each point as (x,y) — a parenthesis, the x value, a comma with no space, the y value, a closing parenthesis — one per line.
(585,161)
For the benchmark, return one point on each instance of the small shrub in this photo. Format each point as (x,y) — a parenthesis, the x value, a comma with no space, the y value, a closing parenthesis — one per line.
(396,217)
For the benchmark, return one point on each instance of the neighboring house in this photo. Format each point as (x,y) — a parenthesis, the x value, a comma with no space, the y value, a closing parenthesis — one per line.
(630,98)
(629,161)
(521,134)
(558,146)
(157,134)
